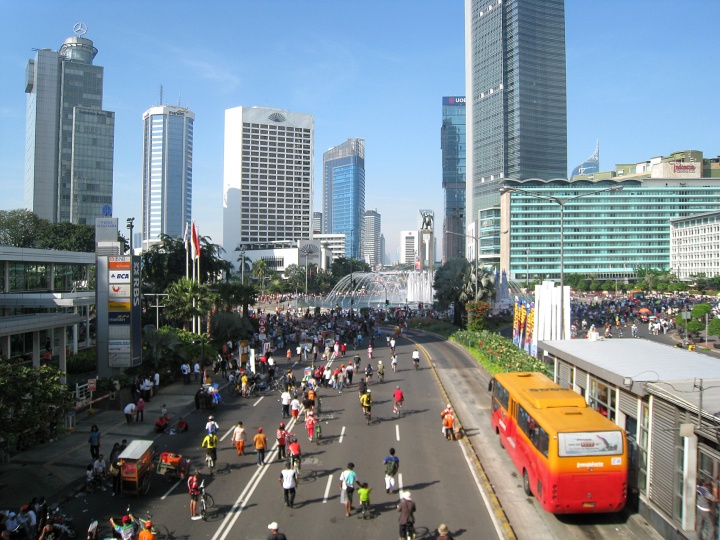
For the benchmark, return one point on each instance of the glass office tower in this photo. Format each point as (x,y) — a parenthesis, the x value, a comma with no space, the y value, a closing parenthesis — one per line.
(371,248)
(69,138)
(516,102)
(344,193)
(591,165)
(452,144)
(167,172)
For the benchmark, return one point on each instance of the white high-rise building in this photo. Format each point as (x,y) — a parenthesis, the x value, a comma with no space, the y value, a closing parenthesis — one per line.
(372,250)
(268,176)
(408,246)
(167,172)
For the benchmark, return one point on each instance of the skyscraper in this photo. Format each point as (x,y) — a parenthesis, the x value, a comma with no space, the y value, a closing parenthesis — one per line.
(516,103)
(68,137)
(268,176)
(371,248)
(452,144)
(317,223)
(167,172)
(408,247)
(344,192)
(591,165)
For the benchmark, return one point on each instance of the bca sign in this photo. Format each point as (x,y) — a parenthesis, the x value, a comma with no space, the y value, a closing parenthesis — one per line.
(119,276)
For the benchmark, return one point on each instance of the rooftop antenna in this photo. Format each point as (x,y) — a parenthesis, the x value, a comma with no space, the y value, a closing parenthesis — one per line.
(161,95)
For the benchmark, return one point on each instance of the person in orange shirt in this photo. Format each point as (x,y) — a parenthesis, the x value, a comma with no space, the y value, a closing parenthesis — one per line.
(260,442)
(448,423)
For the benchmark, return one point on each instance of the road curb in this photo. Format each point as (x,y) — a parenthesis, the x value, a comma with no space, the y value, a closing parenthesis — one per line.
(497,509)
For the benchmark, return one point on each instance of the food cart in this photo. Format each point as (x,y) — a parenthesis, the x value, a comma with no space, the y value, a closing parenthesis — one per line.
(137,465)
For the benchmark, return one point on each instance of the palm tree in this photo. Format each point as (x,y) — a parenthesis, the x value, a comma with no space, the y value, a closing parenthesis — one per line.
(158,341)
(260,271)
(186,299)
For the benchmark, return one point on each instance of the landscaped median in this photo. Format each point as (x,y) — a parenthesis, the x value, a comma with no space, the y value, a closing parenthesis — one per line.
(496,353)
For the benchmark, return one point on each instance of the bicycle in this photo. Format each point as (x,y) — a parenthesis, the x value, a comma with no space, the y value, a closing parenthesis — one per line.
(161,532)
(416,363)
(210,462)
(205,501)
(397,408)
(367,414)
(394,365)
(295,463)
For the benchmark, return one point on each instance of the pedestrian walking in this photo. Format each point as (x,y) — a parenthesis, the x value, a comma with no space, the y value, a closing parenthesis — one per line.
(348,479)
(285,399)
(281,436)
(448,423)
(238,438)
(295,407)
(94,441)
(194,491)
(392,464)
(274,534)
(288,481)
(140,410)
(364,496)
(260,442)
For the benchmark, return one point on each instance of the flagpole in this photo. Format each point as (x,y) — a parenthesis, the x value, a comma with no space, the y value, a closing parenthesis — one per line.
(187,251)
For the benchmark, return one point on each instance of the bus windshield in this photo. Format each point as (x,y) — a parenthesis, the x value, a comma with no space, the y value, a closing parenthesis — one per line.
(597,443)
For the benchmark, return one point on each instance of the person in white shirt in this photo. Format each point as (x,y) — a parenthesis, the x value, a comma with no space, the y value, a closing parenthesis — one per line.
(285,399)
(288,481)
(129,412)
(196,372)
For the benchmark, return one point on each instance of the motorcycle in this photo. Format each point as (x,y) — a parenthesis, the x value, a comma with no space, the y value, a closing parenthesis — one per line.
(62,522)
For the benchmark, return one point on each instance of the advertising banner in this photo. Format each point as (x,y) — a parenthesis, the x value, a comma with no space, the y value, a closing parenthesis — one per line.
(119,290)
(598,443)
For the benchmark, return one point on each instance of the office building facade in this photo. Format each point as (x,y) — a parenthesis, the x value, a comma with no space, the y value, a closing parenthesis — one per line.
(409,247)
(695,246)
(317,223)
(69,137)
(515,101)
(344,193)
(268,176)
(452,145)
(608,235)
(167,172)
(371,247)
(590,166)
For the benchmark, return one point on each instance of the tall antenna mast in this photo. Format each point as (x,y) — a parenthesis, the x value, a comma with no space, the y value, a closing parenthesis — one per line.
(161,95)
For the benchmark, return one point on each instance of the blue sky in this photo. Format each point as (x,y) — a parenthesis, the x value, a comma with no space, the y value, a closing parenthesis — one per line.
(641,78)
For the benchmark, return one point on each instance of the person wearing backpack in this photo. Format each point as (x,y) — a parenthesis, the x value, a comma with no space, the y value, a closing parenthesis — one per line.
(193,484)
(392,464)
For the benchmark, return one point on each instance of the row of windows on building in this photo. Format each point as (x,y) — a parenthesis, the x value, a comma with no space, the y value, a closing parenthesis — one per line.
(37,277)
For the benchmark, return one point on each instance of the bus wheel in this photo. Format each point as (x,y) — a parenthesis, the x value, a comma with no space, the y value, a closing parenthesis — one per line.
(500,441)
(526,483)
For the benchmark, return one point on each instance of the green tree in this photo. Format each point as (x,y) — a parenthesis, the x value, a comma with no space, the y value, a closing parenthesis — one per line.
(231,326)
(187,299)
(67,237)
(235,294)
(342,267)
(30,399)
(450,284)
(20,228)
(160,342)
(163,264)
(714,327)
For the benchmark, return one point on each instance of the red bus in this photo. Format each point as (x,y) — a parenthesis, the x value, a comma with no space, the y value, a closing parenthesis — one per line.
(572,458)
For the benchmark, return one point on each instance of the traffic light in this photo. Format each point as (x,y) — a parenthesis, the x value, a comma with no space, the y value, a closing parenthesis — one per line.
(387,302)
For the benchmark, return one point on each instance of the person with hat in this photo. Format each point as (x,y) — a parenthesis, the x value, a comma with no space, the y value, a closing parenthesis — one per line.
(406,519)
(366,402)
(444,532)
(126,529)
(260,442)
(274,534)
(147,531)
(448,423)
(310,422)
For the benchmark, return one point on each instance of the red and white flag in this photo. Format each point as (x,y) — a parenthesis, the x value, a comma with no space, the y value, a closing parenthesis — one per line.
(195,242)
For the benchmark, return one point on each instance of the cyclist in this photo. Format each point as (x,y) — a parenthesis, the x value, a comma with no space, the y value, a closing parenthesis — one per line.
(212,426)
(398,399)
(368,373)
(416,358)
(194,490)
(407,516)
(366,402)
(310,422)
(381,370)
(294,453)
(392,346)
(210,443)
(146,532)
(393,361)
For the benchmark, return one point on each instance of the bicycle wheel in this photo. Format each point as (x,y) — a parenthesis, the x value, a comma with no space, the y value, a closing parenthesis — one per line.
(233,389)
(203,509)
(209,501)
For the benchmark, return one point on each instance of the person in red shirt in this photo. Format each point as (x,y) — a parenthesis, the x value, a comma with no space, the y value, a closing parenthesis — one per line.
(310,422)
(448,422)
(398,399)
(281,435)
(294,452)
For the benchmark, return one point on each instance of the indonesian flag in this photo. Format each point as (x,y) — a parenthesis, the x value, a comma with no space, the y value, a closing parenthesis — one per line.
(195,242)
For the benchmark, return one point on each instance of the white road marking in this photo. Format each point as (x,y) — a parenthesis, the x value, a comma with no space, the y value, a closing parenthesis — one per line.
(400,486)
(498,528)
(397,432)
(327,489)
(342,434)
(229,431)
(258,401)
(169,491)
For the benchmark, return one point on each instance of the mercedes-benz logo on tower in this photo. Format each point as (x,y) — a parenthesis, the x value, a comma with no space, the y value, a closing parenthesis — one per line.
(80,29)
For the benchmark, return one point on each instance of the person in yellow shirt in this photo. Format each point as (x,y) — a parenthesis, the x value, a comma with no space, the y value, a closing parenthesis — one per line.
(210,443)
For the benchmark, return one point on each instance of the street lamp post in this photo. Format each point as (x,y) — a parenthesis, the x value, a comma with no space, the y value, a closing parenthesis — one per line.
(130,226)
(242,264)
(475,250)
(527,269)
(561,202)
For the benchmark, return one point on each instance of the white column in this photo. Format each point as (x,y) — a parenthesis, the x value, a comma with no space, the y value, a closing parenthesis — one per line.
(689,487)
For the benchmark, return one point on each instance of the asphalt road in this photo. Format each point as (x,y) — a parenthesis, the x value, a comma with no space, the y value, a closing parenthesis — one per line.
(248,497)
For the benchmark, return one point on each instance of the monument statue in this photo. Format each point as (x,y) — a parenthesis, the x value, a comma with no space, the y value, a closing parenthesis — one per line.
(427,222)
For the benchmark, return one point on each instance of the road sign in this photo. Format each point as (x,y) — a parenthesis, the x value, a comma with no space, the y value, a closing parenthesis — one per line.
(92,385)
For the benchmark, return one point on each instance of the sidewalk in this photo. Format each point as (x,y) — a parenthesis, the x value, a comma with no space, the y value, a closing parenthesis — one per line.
(56,469)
